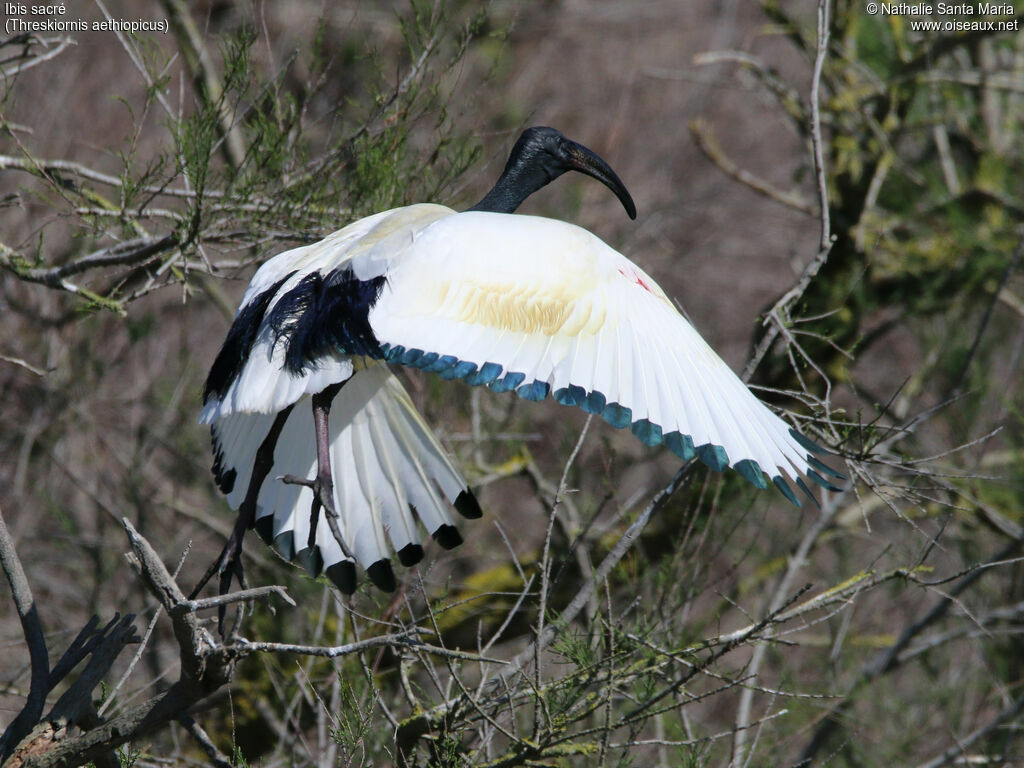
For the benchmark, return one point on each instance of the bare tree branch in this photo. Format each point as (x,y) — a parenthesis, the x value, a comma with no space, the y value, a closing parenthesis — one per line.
(28,613)
(707,144)
(13,66)
(111,640)
(192,606)
(196,731)
(130,252)
(780,309)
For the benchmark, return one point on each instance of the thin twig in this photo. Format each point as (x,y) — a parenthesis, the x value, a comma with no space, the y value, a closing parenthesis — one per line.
(784,94)
(30,60)
(545,566)
(622,546)
(22,364)
(55,168)
(779,310)
(196,731)
(816,141)
(191,606)
(797,561)
(130,252)
(701,740)
(402,639)
(206,81)
(1011,267)
(112,695)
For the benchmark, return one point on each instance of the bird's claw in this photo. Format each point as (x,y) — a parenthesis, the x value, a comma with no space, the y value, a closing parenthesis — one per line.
(323,494)
(322,487)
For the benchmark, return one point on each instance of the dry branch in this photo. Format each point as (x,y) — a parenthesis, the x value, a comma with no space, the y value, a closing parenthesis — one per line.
(959,750)
(29,615)
(706,142)
(128,253)
(192,606)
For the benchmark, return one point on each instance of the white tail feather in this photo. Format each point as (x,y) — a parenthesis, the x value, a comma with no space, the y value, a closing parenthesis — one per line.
(384,458)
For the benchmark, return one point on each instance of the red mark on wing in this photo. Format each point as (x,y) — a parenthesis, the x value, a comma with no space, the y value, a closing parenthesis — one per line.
(638,280)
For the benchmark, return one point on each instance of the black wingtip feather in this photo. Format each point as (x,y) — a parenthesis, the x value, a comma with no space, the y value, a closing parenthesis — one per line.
(447,536)
(310,559)
(227,481)
(467,505)
(343,576)
(284,543)
(382,575)
(224,477)
(781,484)
(821,466)
(810,445)
(822,481)
(264,526)
(807,491)
(410,554)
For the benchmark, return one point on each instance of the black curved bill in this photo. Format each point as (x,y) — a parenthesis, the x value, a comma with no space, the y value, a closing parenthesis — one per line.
(589,162)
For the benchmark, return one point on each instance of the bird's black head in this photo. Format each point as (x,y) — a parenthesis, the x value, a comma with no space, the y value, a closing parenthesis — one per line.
(539,157)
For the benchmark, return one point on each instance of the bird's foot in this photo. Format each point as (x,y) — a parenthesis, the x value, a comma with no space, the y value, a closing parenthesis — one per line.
(228,566)
(323,491)
(323,498)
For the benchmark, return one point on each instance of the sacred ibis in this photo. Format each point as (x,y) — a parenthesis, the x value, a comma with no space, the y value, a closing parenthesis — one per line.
(319,446)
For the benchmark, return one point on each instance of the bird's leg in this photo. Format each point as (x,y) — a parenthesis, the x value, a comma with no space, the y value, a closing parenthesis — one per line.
(229,563)
(323,484)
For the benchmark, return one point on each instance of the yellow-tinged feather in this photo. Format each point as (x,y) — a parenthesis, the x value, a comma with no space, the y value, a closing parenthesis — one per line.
(497,306)
(515,307)
(578,323)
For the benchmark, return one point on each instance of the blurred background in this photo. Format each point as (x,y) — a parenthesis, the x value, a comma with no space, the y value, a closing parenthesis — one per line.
(144,177)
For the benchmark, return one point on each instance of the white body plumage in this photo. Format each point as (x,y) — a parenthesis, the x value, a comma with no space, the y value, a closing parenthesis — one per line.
(513,302)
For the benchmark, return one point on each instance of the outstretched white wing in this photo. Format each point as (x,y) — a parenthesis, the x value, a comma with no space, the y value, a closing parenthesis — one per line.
(544,307)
